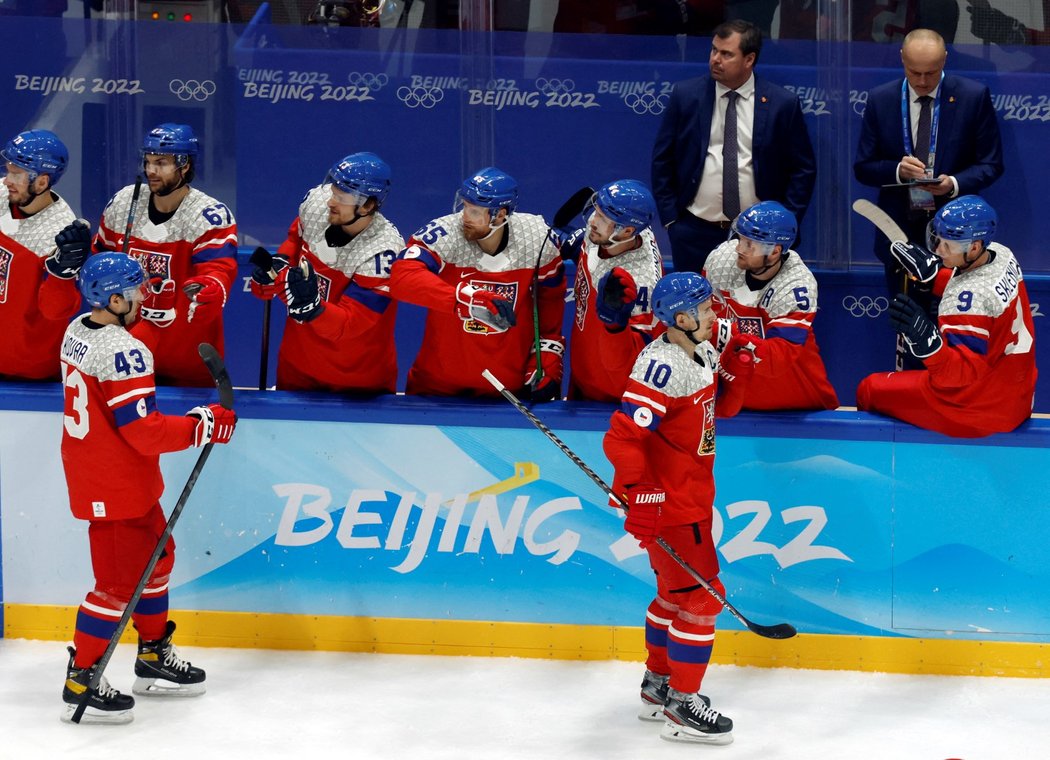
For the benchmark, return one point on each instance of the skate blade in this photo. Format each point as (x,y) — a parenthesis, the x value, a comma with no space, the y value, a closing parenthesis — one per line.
(158,687)
(673,732)
(99,717)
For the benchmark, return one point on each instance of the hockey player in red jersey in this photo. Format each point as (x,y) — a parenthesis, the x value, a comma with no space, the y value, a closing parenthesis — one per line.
(474,271)
(187,242)
(617,265)
(332,274)
(980,355)
(112,438)
(41,251)
(661,443)
(769,294)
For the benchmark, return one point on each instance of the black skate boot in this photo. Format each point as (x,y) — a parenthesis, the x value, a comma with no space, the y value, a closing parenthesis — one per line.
(160,672)
(105,705)
(654,696)
(691,719)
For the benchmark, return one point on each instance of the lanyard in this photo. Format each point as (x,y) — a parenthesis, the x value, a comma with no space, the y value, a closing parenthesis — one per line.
(906,120)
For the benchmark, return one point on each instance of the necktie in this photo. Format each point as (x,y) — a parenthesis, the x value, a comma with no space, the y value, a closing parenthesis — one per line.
(922,134)
(730,170)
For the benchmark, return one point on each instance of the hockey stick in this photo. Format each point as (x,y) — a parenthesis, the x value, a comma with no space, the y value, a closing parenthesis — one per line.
(893,231)
(263,260)
(778,631)
(569,210)
(218,372)
(131,214)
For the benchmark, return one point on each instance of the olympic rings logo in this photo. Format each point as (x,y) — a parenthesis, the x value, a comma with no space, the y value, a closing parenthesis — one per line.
(646,102)
(555,86)
(420,97)
(865,306)
(192,89)
(367,79)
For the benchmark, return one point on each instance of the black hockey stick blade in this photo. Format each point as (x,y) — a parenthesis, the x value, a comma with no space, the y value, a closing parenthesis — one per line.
(262,258)
(573,207)
(778,631)
(217,368)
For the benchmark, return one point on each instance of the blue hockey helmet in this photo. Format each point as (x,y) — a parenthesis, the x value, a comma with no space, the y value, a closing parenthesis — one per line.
(767,222)
(364,175)
(489,188)
(109,274)
(679,291)
(627,202)
(169,139)
(962,220)
(38,151)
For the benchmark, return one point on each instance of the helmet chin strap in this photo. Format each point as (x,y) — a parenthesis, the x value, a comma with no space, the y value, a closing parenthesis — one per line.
(121,316)
(691,332)
(494,230)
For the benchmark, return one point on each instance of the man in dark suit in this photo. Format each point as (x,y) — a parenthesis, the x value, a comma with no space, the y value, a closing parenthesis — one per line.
(954,148)
(763,136)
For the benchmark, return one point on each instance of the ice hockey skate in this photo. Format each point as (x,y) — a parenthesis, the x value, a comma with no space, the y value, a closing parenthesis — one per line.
(654,696)
(161,672)
(691,719)
(105,705)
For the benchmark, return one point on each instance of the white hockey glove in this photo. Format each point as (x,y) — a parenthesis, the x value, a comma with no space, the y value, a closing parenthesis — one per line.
(485,306)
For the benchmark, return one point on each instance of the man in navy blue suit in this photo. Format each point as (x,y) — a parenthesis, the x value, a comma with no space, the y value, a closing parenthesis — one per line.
(772,153)
(955,149)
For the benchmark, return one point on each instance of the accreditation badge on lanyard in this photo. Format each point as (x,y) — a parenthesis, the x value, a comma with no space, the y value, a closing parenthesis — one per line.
(919,198)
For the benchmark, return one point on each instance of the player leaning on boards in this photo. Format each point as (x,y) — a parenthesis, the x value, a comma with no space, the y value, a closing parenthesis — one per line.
(37,295)
(617,265)
(979,357)
(473,272)
(769,294)
(111,444)
(661,443)
(187,243)
(332,274)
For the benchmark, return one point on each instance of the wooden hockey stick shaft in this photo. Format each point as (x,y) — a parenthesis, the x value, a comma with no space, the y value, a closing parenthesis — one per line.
(893,231)
(222,381)
(778,631)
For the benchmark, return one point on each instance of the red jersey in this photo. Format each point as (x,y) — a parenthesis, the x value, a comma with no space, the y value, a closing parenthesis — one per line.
(112,432)
(602,355)
(790,373)
(456,350)
(350,346)
(982,380)
(199,239)
(35,308)
(664,432)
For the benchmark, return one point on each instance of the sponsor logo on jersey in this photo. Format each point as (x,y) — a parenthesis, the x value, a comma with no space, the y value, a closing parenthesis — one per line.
(6,257)
(155,263)
(98,508)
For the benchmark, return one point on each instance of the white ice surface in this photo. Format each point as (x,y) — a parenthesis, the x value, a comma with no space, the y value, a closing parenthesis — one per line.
(269,704)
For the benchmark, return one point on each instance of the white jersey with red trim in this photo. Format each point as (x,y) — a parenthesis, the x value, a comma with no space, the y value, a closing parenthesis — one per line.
(790,373)
(199,239)
(602,358)
(34,308)
(350,345)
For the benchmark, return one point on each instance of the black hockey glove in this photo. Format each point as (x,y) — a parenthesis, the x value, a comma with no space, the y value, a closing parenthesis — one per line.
(617,292)
(74,246)
(919,263)
(991,25)
(301,293)
(917,329)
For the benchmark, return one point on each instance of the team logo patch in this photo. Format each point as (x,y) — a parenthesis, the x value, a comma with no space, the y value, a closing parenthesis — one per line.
(583,293)
(140,408)
(643,416)
(508,290)
(155,263)
(324,286)
(6,257)
(707,438)
(750,326)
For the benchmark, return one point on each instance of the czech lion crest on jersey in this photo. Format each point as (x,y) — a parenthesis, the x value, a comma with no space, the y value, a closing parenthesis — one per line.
(583,294)
(747,324)
(5,272)
(508,290)
(155,263)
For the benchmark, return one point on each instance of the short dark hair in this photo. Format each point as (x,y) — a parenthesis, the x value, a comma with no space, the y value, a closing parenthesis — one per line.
(750,35)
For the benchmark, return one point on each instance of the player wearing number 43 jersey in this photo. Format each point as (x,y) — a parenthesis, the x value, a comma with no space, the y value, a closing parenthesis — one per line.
(769,294)
(661,443)
(332,273)
(187,243)
(980,355)
(617,266)
(473,271)
(112,439)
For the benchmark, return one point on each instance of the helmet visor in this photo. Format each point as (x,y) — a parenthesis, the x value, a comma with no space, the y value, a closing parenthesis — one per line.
(346,198)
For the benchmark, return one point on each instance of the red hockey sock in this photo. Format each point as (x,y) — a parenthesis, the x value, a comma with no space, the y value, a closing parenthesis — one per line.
(657,618)
(689,650)
(97,619)
(151,613)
